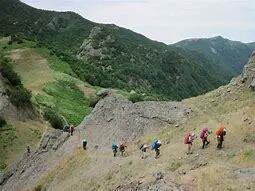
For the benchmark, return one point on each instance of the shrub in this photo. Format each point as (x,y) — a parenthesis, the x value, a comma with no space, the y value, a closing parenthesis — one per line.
(135,97)
(2,122)
(8,73)
(53,117)
(19,96)
(174,166)
(3,165)
(93,100)
(38,188)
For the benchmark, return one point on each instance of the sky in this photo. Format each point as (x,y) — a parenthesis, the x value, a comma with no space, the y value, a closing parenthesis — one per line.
(167,21)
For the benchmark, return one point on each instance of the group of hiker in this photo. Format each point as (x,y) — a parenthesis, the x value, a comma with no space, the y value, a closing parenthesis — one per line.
(122,148)
(69,129)
(143,147)
(219,133)
(156,144)
(188,139)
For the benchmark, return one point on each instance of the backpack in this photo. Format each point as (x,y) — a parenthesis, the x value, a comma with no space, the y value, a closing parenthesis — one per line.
(158,144)
(122,146)
(114,146)
(219,131)
(186,138)
(154,144)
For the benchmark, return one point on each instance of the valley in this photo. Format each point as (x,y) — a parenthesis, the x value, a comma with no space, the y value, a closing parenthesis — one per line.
(59,69)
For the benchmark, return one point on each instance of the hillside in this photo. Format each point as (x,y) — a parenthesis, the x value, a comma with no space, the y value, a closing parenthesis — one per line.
(57,95)
(228,56)
(232,168)
(251,45)
(20,124)
(111,56)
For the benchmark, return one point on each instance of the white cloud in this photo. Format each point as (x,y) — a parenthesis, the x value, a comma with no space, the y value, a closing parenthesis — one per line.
(167,20)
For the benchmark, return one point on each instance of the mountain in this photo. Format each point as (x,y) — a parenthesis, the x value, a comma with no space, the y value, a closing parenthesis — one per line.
(251,45)
(228,56)
(60,163)
(111,56)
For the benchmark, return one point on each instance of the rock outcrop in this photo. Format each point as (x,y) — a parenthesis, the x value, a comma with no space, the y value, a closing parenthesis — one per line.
(4,102)
(116,118)
(248,75)
(25,172)
(8,110)
(95,46)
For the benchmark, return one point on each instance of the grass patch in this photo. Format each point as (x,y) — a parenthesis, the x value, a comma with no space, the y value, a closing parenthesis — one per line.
(55,62)
(173,166)
(67,99)
(245,157)
(7,137)
(65,168)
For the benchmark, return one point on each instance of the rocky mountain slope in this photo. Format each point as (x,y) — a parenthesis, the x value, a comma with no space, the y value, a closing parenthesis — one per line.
(68,167)
(20,123)
(111,56)
(123,120)
(57,95)
(228,56)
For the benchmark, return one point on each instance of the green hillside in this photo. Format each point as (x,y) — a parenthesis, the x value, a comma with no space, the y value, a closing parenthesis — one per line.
(228,56)
(252,45)
(109,56)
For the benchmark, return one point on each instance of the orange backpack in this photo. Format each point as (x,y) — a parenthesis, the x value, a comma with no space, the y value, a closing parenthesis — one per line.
(219,130)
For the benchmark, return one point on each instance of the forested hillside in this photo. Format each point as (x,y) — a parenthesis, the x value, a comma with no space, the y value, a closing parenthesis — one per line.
(227,56)
(110,56)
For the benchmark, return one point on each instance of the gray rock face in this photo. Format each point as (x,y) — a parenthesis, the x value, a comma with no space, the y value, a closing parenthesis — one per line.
(116,118)
(245,174)
(4,102)
(104,92)
(8,110)
(92,47)
(25,172)
(52,140)
(248,75)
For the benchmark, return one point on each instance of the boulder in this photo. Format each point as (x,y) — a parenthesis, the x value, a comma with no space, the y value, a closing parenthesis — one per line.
(252,85)
(248,74)
(104,92)
(115,117)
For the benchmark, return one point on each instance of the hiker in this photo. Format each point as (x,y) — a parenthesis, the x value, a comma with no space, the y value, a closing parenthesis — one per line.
(84,144)
(155,146)
(114,149)
(143,148)
(71,130)
(220,133)
(188,139)
(204,135)
(122,148)
(28,149)
(66,128)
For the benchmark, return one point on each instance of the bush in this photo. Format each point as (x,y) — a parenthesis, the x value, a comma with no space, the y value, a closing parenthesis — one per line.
(2,122)
(135,97)
(8,73)
(19,96)
(93,100)
(38,188)
(3,165)
(54,119)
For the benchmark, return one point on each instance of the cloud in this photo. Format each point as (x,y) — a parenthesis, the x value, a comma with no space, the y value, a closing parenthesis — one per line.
(167,20)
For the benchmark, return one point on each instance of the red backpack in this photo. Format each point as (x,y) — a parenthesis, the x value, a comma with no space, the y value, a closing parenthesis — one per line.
(186,138)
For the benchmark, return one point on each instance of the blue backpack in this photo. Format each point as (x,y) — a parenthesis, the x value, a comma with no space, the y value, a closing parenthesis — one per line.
(114,146)
(154,144)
